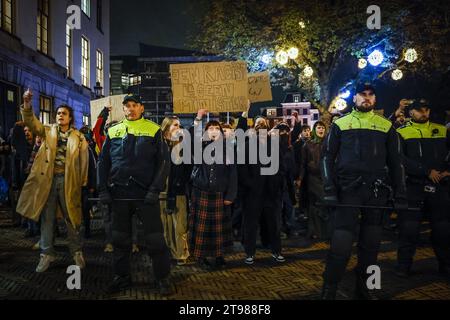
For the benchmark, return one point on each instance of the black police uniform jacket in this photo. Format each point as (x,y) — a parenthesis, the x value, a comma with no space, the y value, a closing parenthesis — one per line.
(362,144)
(134,155)
(425,147)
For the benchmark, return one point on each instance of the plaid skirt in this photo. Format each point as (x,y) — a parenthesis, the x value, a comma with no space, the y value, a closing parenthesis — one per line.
(210,232)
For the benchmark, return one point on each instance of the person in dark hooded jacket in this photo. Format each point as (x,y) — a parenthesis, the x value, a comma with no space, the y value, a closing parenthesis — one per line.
(318,218)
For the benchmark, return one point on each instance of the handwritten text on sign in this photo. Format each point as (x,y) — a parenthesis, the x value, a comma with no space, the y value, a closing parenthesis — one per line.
(215,86)
(259,87)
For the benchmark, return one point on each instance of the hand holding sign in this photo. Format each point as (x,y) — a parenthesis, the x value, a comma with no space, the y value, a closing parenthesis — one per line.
(27,98)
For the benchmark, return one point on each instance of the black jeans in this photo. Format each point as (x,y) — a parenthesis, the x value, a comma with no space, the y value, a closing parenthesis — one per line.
(122,213)
(436,206)
(266,207)
(346,221)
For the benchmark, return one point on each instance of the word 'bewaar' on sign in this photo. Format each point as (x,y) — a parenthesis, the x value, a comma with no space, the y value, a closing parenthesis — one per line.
(215,86)
(259,89)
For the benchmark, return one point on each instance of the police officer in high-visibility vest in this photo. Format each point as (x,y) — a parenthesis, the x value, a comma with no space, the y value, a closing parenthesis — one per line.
(426,148)
(133,164)
(360,162)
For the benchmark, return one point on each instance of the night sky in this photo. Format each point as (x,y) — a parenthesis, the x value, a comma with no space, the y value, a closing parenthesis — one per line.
(165,23)
(169,23)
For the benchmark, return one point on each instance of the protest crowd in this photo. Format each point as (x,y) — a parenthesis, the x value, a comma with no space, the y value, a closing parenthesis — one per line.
(341,181)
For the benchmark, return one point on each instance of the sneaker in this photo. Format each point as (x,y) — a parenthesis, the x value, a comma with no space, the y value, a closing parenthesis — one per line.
(165,288)
(119,283)
(109,248)
(79,259)
(44,263)
(278,257)
(135,248)
(181,262)
(249,260)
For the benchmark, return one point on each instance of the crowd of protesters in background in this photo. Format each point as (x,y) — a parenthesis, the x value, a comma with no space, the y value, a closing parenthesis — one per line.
(202,207)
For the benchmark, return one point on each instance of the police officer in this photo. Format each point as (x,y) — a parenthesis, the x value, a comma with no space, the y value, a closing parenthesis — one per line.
(133,164)
(360,160)
(426,149)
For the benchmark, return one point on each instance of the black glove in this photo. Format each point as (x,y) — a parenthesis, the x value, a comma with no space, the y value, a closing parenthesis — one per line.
(151,198)
(105,197)
(400,204)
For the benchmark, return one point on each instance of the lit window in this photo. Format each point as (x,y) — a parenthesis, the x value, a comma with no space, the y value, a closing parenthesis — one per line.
(86,120)
(296,98)
(135,80)
(6,15)
(99,68)
(45,110)
(85,62)
(43,26)
(86,7)
(69,51)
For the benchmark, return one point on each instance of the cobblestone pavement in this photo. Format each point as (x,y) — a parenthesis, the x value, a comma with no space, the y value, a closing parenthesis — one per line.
(298,278)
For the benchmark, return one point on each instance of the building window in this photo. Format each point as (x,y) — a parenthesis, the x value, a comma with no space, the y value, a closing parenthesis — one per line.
(125,81)
(99,68)
(69,51)
(86,7)
(305,121)
(7,15)
(135,80)
(43,26)
(45,109)
(99,15)
(85,62)
(305,111)
(316,117)
(86,119)
(296,98)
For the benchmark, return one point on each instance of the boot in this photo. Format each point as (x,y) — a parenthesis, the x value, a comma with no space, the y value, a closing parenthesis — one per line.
(119,283)
(328,292)
(165,287)
(361,290)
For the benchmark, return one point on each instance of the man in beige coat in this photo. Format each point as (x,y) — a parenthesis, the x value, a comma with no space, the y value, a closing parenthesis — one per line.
(59,172)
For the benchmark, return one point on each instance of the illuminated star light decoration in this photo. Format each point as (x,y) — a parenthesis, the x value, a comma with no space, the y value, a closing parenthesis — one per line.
(340,104)
(293,53)
(308,72)
(345,94)
(282,57)
(411,55)
(376,58)
(302,24)
(362,63)
(266,58)
(397,74)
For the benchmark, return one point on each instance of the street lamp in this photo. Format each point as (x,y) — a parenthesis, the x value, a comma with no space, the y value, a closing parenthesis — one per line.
(98,90)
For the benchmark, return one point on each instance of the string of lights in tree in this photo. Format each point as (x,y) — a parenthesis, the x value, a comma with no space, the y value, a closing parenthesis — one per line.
(375,59)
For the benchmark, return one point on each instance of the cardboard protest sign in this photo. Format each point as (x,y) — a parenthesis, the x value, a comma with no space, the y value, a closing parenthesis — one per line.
(215,86)
(259,89)
(114,101)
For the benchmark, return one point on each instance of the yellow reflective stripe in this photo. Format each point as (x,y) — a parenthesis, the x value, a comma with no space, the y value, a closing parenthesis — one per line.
(140,128)
(352,122)
(433,131)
